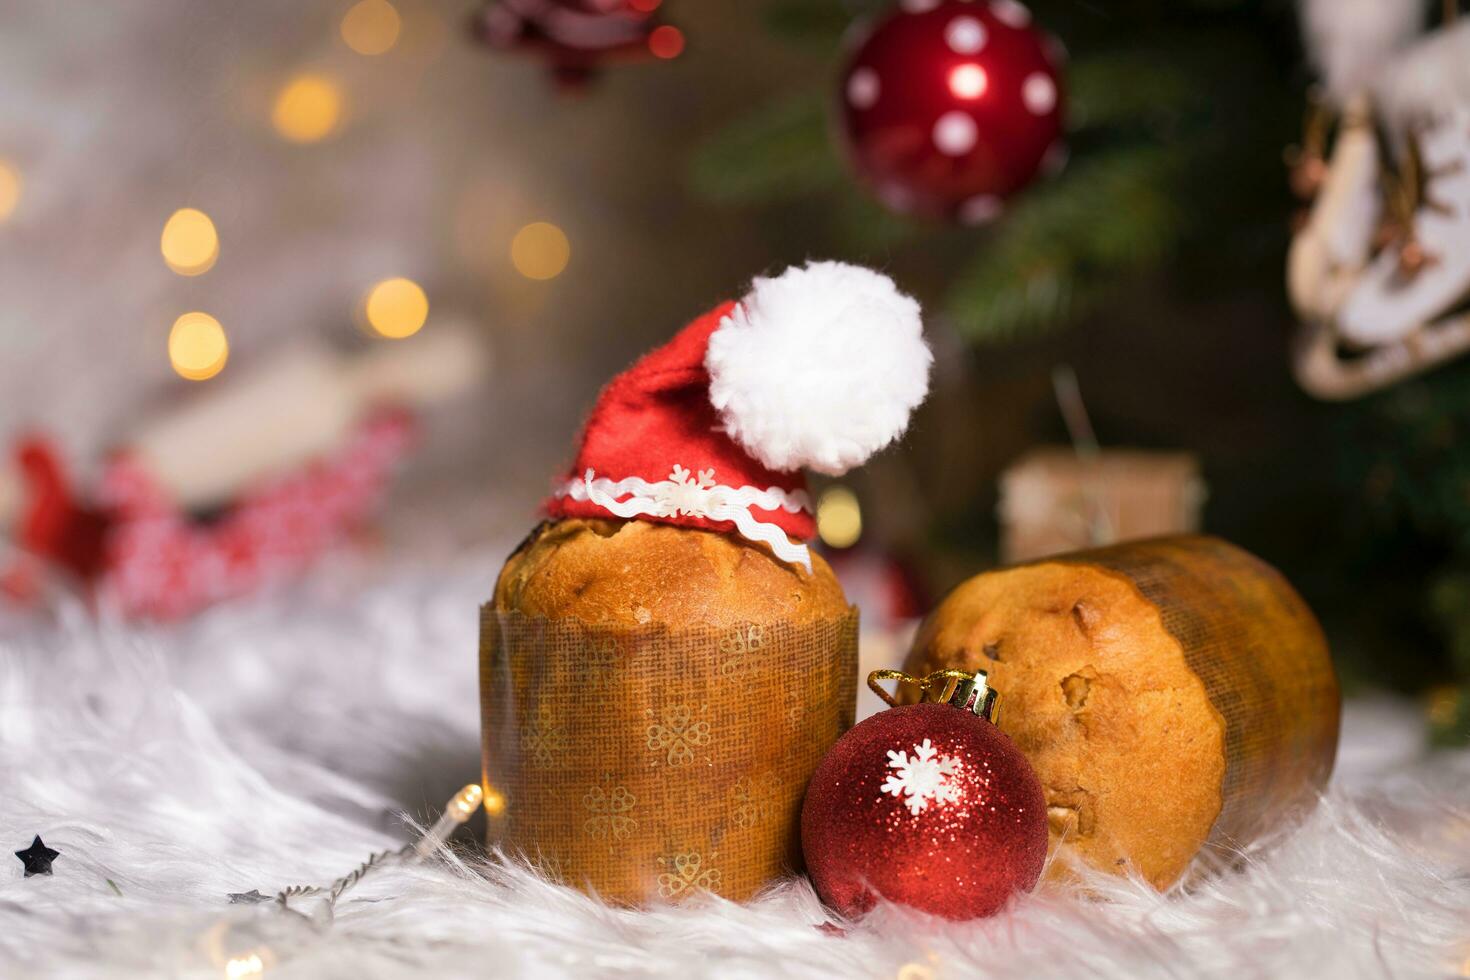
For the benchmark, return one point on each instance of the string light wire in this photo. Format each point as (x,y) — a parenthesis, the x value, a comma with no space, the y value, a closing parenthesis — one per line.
(459,809)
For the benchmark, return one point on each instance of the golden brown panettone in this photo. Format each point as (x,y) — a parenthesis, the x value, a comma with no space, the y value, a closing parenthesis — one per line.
(1171,694)
(636,573)
(655,699)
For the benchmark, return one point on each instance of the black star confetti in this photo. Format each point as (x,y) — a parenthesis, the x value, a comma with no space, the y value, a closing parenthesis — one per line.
(37,858)
(252,897)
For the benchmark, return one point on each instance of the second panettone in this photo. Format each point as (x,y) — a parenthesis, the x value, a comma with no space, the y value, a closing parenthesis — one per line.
(1174,695)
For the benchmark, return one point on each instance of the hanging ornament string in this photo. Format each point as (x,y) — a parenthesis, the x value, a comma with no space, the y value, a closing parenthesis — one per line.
(971,689)
(460,809)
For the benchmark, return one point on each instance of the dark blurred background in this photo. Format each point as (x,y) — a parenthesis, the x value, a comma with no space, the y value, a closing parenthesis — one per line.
(1151,265)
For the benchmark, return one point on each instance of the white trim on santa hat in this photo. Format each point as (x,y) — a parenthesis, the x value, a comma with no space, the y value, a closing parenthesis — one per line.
(698,495)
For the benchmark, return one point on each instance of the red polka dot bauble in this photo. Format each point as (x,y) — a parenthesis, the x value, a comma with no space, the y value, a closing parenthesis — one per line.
(928,805)
(950,106)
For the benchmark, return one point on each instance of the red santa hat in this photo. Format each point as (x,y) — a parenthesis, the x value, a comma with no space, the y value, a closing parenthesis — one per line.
(817,368)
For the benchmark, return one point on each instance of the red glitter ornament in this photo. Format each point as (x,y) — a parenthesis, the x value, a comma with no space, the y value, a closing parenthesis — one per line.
(928,805)
(578,37)
(947,108)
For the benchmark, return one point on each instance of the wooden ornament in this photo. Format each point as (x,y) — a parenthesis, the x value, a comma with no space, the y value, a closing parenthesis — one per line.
(1379,271)
(1175,696)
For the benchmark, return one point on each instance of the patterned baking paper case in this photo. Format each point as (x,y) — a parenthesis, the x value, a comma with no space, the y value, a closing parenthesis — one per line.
(651,763)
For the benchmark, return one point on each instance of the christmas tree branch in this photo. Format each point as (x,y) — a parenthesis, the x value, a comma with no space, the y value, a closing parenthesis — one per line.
(1064,246)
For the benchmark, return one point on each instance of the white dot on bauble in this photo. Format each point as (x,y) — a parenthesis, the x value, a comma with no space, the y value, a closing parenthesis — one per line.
(1039,93)
(863,88)
(1010,12)
(955,133)
(981,209)
(965,35)
(968,81)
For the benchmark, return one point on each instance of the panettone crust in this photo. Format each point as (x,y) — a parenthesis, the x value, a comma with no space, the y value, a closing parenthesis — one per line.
(637,573)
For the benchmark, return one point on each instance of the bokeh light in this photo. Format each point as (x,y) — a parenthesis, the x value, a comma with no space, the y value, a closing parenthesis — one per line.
(197,347)
(9,189)
(839,518)
(189,243)
(540,250)
(397,308)
(666,42)
(307,109)
(371,27)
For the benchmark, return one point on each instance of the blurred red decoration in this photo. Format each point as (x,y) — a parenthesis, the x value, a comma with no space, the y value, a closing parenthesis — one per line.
(927,805)
(576,38)
(666,42)
(141,556)
(882,584)
(948,108)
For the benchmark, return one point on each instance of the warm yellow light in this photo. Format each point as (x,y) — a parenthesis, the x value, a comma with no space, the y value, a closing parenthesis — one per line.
(460,808)
(540,251)
(494,803)
(189,244)
(1444,705)
(244,966)
(397,308)
(371,27)
(9,189)
(466,802)
(197,347)
(839,518)
(307,109)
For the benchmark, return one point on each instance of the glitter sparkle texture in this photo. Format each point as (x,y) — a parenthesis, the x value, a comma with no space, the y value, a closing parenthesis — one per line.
(924,777)
(927,805)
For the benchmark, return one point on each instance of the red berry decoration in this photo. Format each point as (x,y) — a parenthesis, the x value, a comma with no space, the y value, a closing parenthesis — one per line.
(950,107)
(928,805)
(578,37)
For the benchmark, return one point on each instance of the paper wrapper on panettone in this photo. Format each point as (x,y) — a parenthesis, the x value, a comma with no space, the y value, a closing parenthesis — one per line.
(1174,695)
(650,743)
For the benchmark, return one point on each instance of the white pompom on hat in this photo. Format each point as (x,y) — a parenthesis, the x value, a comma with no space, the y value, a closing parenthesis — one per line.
(819,367)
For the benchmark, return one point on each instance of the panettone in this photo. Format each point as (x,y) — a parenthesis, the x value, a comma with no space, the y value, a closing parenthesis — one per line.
(1173,695)
(664,662)
(635,573)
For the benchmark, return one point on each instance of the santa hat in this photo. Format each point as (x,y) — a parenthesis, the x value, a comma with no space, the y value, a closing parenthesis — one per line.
(817,368)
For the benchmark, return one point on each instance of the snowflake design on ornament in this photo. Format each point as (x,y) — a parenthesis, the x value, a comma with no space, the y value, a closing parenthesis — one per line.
(686,494)
(924,777)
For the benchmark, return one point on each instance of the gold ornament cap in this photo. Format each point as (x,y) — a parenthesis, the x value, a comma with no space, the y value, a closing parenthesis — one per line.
(969,690)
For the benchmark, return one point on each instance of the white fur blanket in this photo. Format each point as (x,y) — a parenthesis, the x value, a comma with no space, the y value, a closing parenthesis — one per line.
(274,742)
